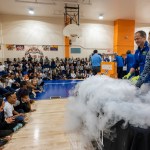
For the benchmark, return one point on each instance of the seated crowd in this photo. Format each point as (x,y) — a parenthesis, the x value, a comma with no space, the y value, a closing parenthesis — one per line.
(13,108)
(52,69)
(22,79)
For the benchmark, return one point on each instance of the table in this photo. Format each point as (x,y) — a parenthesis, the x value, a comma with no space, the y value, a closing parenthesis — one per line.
(130,138)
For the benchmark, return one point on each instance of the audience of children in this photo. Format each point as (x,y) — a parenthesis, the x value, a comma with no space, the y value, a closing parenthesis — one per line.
(27,69)
(12,112)
(21,80)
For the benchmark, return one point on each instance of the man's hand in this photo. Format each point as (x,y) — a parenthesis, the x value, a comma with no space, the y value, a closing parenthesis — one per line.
(134,79)
(127,76)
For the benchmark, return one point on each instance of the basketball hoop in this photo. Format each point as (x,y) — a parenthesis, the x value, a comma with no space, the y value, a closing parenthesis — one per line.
(72,31)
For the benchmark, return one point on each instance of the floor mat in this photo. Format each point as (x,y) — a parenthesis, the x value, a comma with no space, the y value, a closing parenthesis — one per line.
(56,88)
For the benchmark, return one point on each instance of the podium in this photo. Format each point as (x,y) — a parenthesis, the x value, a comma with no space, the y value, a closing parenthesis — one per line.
(109,69)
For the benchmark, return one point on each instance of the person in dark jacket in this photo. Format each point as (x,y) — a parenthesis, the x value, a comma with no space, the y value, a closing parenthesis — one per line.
(24,101)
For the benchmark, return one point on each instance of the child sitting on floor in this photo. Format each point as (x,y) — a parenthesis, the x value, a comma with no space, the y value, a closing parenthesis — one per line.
(9,108)
(24,101)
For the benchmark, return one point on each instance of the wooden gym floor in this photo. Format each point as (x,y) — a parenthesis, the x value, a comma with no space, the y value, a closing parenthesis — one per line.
(44,130)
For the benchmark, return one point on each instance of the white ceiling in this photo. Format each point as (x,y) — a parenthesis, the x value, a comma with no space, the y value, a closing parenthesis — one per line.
(89,9)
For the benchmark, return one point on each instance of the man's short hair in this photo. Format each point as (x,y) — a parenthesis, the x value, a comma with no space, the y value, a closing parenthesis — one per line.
(95,51)
(142,33)
(128,52)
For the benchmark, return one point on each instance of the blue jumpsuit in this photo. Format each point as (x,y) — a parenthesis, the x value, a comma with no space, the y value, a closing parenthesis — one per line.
(129,61)
(145,75)
(140,57)
(120,64)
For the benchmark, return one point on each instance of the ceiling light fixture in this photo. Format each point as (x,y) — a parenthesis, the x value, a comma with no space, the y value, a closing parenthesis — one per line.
(31,11)
(101,17)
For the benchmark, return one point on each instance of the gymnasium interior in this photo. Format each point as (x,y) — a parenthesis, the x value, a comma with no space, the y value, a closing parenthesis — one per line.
(74,75)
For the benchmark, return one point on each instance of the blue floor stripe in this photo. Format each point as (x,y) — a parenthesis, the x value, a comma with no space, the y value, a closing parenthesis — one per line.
(57,88)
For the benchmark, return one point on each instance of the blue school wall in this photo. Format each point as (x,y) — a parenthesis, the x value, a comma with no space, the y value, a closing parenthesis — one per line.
(57,88)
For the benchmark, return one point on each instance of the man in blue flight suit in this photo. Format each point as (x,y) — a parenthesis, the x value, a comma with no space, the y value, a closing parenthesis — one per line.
(129,60)
(120,64)
(140,54)
(96,62)
(145,75)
